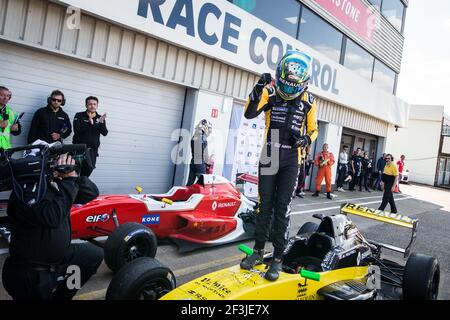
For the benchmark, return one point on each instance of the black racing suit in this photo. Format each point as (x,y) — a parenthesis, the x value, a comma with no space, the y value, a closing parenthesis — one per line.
(280,159)
(41,249)
(89,134)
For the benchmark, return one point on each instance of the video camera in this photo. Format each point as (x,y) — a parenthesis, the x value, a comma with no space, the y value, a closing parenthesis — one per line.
(29,174)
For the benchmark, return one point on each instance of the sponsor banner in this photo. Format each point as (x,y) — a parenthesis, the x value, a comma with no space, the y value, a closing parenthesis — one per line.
(353,14)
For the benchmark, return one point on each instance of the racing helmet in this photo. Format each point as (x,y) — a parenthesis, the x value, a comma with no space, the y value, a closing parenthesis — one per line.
(293,74)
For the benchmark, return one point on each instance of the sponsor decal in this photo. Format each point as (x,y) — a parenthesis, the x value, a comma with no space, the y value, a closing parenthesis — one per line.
(97,218)
(214,113)
(380,213)
(221,205)
(150,219)
(254,126)
(227,204)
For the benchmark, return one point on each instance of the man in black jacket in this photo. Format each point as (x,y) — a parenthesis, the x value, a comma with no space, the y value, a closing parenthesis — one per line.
(50,123)
(199,148)
(87,127)
(41,249)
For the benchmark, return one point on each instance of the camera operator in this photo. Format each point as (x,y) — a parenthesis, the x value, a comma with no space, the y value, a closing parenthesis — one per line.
(40,248)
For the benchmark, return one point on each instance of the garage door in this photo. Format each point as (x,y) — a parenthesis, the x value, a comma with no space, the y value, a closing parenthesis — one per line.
(142,113)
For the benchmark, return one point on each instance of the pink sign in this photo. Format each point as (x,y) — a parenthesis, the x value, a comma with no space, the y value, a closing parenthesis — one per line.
(354,14)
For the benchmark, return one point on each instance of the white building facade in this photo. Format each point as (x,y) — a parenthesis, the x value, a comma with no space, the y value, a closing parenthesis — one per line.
(419,142)
(160,66)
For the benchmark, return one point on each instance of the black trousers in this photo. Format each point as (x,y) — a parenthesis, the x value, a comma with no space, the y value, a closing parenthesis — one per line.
(194,171)
(342,173)
(355,180)
(276,192)
(301,178)
(86,170)
(25,282)
(363,180)
(388,197)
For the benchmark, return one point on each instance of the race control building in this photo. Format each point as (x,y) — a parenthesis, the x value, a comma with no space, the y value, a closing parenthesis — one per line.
(158,66)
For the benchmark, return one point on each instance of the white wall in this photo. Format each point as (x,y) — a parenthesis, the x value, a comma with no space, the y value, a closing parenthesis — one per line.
(419,142)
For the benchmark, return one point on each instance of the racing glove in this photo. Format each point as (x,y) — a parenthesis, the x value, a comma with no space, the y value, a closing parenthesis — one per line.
(263,81)
(302,142)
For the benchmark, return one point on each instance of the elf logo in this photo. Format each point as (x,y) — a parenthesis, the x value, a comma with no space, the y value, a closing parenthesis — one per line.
(98,218)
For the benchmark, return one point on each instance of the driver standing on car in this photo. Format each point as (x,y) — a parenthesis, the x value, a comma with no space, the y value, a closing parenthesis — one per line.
(290,111)
(41,249)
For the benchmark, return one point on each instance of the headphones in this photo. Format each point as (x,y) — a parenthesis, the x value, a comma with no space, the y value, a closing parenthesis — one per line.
(56,93)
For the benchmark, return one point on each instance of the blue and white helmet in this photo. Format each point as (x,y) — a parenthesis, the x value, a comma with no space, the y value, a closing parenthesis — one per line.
(292,75)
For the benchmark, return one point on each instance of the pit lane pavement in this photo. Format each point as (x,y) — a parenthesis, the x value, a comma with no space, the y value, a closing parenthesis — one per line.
(430,205)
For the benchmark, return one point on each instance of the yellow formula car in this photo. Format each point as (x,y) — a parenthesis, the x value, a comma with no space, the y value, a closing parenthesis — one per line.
(330,260)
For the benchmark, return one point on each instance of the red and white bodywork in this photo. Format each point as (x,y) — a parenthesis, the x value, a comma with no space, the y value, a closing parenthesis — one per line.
(210,212)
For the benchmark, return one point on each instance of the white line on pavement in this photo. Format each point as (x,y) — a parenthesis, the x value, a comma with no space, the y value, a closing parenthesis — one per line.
(338,207)
(343,200)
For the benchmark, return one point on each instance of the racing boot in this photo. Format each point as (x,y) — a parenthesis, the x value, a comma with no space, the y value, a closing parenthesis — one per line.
(329,196)
(250,261)
(274,270)
(315,194)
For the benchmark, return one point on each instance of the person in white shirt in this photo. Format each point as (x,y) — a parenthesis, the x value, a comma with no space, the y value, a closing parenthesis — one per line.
(342,168)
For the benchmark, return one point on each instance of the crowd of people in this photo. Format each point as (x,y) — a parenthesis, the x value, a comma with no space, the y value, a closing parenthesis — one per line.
(51,124)
(358,171)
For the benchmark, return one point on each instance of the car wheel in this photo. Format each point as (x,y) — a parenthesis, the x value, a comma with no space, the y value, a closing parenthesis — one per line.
(308,227)
(127,243)
(142,279)
(421,278)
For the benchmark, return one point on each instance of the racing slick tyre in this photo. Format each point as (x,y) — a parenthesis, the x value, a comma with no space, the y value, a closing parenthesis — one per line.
(308,227)
(128,242)
(421,278)
(142,279)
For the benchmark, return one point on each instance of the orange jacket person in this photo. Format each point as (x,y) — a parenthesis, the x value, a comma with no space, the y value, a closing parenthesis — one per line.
(324,161)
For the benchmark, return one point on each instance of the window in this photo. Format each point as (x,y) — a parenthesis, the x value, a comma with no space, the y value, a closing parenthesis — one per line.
(320,35)
(393,10)
(376,4)
(384,77)
(282,14)
(358,60)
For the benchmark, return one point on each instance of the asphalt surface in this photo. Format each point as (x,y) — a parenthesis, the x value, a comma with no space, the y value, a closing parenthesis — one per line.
(429,205)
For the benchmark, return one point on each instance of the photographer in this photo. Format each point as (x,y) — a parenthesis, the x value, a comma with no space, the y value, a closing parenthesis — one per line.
(40,248)
(200,161)
(9,120)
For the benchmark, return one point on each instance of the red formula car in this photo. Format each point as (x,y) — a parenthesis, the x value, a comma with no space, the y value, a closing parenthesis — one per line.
(210,212)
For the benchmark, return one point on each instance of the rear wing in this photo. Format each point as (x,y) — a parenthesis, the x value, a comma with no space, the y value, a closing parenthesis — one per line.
(391,218)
